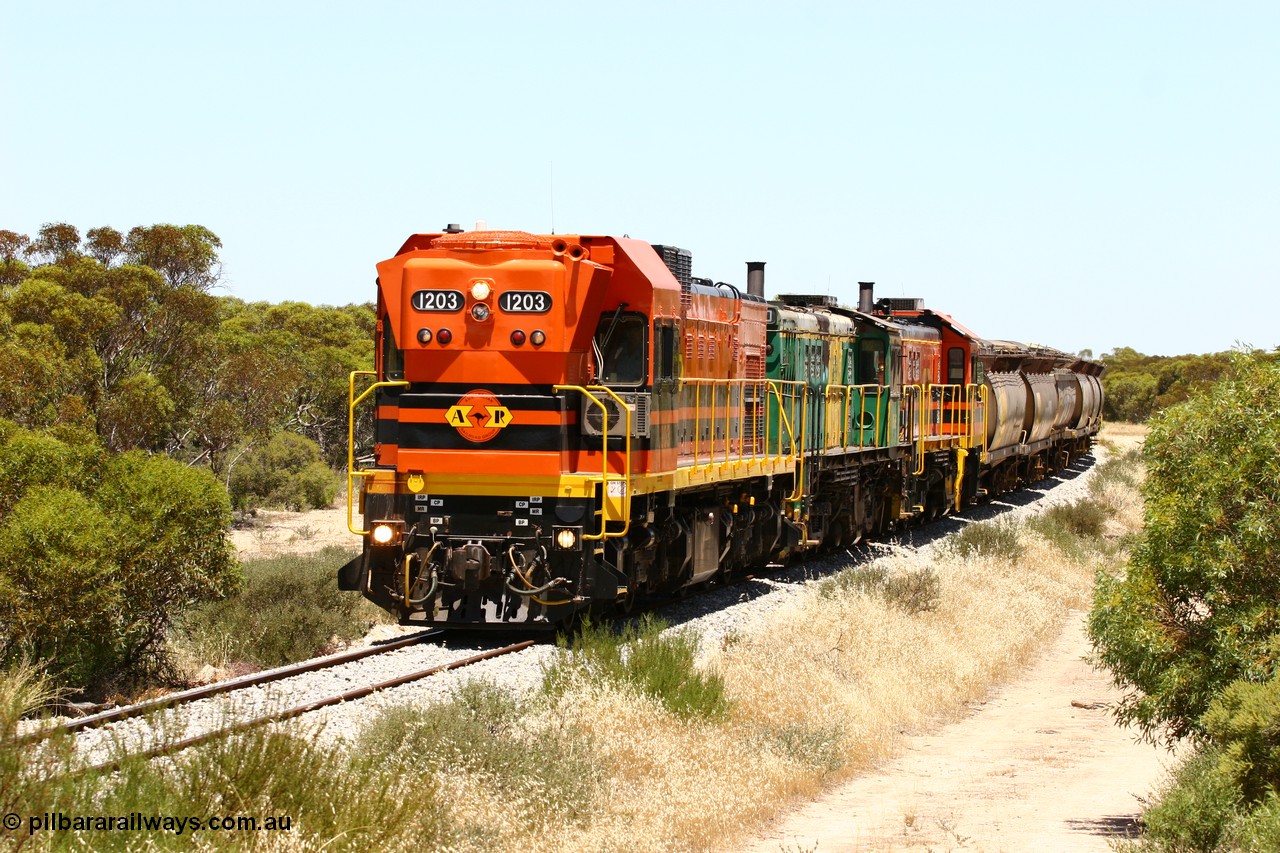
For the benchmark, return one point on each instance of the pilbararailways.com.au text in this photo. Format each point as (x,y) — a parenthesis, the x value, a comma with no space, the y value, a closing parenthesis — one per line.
(139,822)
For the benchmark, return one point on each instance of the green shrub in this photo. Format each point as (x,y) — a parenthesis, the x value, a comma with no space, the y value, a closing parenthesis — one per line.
(287,472)
(1197,607)
(643,657)
(997,539)
(60,600)
(99,554)
(1225,796)
(29,458)
(917,590)
(1259,829)
(1244,724)
(289,609)
(1084,518)
(1193,812)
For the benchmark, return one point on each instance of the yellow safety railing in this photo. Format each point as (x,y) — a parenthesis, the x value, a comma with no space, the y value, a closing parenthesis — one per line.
(913,414)
(352,402)
(759,450)
(804,435)
(980,401)
(624,479)
(845,392)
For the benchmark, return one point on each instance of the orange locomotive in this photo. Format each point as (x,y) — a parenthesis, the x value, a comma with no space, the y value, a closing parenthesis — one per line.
(537,417)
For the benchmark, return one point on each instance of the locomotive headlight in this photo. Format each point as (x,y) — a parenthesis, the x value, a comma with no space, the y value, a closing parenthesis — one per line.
(480,312)
(566,538)
(386,532)
(480,291)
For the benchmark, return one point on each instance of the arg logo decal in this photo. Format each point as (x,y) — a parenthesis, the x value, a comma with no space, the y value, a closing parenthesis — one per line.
(478,416)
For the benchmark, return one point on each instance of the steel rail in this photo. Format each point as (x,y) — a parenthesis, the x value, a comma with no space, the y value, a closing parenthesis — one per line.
(299,710)
(205,691)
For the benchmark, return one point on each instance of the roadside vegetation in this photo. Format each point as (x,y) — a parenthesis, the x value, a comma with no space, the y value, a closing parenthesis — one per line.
(1138,386)
(289,609)
(645,740)
(1191,627)
(146,410)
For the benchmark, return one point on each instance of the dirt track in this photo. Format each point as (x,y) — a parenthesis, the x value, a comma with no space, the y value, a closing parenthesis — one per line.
(1027,770)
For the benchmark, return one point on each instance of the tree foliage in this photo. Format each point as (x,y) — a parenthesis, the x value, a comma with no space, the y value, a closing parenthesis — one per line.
(1226,796)
(1199,604)
(99,551)
(287,471)
(187,255)
(57,242)
(1137,386)
(12,244)
(121,334)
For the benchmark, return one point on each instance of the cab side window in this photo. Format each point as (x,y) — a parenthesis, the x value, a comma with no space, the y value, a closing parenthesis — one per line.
(955,366)
(621,345)
(871,362)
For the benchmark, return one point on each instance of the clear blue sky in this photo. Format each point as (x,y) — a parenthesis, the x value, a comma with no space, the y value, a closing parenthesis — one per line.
(1088,174)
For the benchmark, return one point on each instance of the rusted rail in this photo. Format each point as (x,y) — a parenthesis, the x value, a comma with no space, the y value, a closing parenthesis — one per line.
(207,690)
(305,708)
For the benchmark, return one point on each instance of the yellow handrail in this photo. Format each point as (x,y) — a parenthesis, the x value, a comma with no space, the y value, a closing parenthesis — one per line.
(866,391)
(769,386)
(798,494)
(352,402)
(982,398)
(605,479)
(919,408)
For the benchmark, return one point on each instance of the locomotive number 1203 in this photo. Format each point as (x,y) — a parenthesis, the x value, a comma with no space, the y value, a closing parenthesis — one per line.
(525,302)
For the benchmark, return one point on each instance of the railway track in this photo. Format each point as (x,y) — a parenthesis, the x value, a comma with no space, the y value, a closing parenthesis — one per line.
(308,707)
(195,694)
(173,701)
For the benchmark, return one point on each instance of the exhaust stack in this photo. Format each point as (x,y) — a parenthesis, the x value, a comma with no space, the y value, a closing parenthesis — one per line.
(755,278)
(865,298)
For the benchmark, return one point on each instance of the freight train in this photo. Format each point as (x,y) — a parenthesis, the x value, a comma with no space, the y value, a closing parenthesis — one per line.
(572,423)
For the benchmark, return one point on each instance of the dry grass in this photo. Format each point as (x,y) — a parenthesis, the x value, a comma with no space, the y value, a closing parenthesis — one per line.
(823,691)
(1122,436)
(1119,495)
